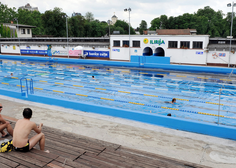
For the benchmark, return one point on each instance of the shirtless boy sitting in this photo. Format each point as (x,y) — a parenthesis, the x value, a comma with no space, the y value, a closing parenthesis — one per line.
(22,129)
(5,124)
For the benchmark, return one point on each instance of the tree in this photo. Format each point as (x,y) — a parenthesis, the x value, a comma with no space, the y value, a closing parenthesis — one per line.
(89,17)
(6,14)
(155,24)
(142,26)
(125,26)
(76,26)
(54,22)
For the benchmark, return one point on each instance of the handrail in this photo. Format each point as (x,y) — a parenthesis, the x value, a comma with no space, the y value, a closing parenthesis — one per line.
(31,88)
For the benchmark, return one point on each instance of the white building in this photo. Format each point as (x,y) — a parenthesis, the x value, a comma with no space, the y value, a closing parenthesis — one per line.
(185,49)
(114,18)
(22,30)
(28,7)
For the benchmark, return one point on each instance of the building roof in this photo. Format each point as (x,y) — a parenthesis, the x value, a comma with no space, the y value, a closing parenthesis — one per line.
(114,16)
(175,31)
(19,25)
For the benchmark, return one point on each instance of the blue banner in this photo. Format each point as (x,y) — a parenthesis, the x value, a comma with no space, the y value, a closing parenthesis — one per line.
(38,52)
(100,54)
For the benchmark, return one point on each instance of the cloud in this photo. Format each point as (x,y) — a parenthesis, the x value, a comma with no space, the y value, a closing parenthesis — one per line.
(103,10)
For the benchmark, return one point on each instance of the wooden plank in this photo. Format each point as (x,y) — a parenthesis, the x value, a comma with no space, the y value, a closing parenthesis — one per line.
(125,160)
(42,153)
(17,160)
(137,160)
(55,164)
(4,166)
(64,147)
(87,163)
(8,162)
(155,156)
(22,166)
(61,153)
(70,162)
(26,158)
(114,162)
(75,143)
(80,138)
(38,157)
(95,162)
(150,161)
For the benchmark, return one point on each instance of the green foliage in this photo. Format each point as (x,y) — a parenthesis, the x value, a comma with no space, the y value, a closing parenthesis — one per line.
(76,26)
(54,22)
(6,14)
(205,21)
(142,26)
(16,34)
(89,17)
(125,26)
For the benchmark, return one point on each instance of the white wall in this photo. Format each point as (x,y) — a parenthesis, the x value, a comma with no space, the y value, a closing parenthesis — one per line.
(10,49)
(56,50)
(177,55)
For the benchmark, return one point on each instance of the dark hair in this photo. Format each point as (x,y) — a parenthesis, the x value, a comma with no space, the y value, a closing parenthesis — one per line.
(27,113)
(92,76)
(174,99)
(169,114)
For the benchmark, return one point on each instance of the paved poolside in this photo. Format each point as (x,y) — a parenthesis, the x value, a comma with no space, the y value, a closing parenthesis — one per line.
(191,147)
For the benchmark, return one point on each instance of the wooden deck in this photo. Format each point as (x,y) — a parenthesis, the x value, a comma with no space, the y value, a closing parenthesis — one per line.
(69,150)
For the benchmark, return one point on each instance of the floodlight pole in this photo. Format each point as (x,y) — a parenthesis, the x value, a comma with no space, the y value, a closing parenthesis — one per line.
(129,10)
(16,19)
(67,38)
(109,22)
(229,5)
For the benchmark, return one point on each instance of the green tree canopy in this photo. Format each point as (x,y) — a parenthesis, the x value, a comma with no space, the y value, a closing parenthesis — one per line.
(89,17)
(54,22)
(142,26)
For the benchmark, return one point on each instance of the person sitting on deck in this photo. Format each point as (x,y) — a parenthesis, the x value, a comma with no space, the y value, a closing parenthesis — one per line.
(5,124)
(22,129)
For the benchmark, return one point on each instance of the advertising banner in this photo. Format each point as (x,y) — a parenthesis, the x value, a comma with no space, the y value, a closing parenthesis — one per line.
(59,52)
(100,54)
(75,52)
(38,52)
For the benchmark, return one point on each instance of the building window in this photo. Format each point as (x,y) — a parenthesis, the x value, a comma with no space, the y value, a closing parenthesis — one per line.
(136,43)
(172,44)
(116,43)
(185,44)
(22,31)
(197,44)
(28,31)
(125,43)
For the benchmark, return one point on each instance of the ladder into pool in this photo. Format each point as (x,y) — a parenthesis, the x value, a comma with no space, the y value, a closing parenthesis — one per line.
(25,89)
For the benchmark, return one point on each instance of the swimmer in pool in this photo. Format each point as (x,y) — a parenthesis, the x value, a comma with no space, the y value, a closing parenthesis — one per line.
(172,102)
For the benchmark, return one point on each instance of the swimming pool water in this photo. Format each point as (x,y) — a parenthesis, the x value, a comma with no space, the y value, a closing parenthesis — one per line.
(137,90)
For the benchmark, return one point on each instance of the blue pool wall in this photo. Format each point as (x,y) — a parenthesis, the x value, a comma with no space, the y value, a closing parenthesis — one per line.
(135,62)
(165,121)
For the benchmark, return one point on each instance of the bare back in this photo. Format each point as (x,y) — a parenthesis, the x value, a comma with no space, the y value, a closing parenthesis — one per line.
(21,132)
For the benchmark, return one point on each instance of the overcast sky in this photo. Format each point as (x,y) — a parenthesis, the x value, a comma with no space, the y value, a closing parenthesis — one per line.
(103,10)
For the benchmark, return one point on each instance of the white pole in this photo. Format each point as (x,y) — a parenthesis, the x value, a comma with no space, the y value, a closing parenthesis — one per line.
(231,31)
(18,35)
(67,38)
(129,32)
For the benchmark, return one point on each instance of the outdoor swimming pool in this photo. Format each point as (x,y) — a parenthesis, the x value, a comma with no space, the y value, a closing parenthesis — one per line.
(146,91)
